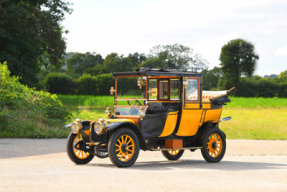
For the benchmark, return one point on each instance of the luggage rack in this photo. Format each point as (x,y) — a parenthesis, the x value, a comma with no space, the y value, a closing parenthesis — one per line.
(180,70)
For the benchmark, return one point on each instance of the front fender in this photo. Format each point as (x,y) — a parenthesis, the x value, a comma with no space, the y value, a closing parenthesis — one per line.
(118,125)
(85,124)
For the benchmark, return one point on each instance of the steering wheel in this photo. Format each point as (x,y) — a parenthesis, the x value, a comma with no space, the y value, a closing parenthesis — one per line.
(136,101)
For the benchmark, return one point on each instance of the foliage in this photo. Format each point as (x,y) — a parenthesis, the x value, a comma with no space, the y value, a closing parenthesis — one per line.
(87,85)
(257,88)
(106,81)
(282,77)
(26,111)
(81,63)
(237,58)
(31,35)
(87,100)
(59,83)
(282,90)
(211,78)
(174,56)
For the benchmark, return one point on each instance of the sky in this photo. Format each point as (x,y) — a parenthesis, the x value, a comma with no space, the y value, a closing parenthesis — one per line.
(129,26)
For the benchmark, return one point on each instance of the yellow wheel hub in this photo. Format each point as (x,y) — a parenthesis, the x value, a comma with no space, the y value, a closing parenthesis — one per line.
(214,145)
(79,153)
(173,152)
(125,148)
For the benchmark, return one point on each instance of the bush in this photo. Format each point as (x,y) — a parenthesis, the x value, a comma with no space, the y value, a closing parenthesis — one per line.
(59,83)
(25,112)
(282,90)
(106,81)
(257,88)
(87,85)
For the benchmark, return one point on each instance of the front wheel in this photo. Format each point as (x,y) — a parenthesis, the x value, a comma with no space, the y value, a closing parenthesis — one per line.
(172,155)
(213,145)
(123,148)
(76,155)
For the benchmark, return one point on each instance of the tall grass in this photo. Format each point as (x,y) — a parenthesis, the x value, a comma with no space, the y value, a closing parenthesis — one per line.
(236,102)
(87,100)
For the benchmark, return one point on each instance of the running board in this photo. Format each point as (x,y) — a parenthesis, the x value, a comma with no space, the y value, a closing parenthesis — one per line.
(166,149)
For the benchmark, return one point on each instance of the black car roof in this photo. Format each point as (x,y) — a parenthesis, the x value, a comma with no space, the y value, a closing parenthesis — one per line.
(160,72)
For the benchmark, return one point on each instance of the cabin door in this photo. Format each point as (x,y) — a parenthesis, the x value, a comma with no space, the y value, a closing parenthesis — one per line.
(191,111)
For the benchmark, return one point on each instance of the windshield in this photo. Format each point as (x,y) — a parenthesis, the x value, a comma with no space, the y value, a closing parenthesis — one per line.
(130,95)
(131,87)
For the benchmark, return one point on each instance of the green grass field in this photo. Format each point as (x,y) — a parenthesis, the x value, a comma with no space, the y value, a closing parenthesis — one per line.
(252,118)
(237,102)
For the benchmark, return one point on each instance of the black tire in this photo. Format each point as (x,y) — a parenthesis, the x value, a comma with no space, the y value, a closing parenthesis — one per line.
(213,145)
(172,155)
(126,153)
(72,152)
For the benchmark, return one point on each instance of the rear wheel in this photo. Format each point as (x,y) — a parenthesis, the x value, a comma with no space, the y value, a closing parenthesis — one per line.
(123,148)
(172,155)
(213,145)
(76,155)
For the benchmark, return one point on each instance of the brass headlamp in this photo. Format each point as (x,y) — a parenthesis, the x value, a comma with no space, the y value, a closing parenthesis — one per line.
(76,126)
(100,126)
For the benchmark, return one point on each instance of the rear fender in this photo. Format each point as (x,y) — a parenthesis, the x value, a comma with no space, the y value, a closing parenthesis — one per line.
(111,128)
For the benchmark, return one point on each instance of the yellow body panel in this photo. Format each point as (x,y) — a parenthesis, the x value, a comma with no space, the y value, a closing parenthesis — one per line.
(212,115)
(206,105)
(191,105)
(169,124)
(119,120)
(190,120)
(87,132)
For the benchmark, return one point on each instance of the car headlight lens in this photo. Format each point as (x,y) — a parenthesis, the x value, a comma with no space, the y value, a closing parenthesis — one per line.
(75,128)
(98,127)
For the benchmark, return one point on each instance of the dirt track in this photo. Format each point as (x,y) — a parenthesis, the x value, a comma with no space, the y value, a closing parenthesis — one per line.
(42,165)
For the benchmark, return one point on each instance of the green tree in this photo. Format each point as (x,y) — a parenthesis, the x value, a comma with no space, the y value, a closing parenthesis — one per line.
(174,56)
(237,58)
(31,35)
(117,63)
(80,63)
(211,78)
(137,58)
(282,77)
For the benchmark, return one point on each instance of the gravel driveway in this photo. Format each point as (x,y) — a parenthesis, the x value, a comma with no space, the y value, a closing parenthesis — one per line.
(42,165)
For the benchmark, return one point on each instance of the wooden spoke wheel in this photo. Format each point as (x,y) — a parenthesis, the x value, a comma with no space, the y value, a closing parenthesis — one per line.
(123,148)
(172,155)
(213,145)
(76,155)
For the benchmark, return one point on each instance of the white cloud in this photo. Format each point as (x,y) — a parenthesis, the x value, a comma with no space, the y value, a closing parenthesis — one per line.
(282,51)
(204,25)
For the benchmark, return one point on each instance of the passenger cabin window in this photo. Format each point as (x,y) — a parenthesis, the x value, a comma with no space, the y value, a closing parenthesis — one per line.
(192,90)
(174,89)
(152,89)
(163,89)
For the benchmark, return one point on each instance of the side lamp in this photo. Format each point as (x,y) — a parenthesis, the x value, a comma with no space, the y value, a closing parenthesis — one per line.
(141,113)
(185,82)
(140,82)
(109,113)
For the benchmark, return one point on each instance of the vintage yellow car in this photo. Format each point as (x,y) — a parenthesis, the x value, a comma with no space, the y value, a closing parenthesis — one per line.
(156,110)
